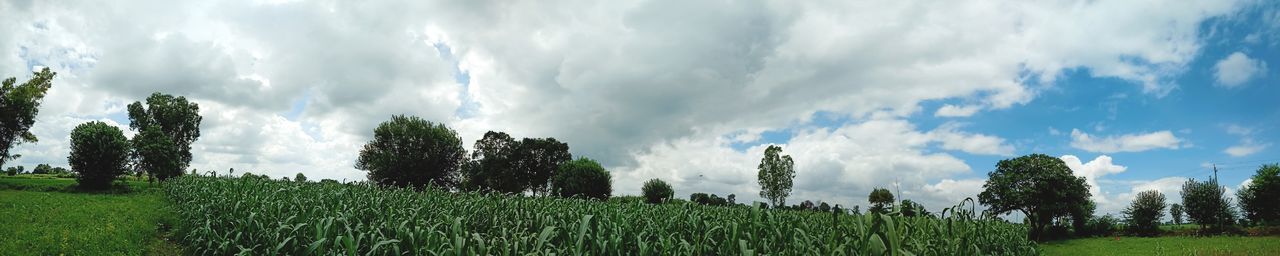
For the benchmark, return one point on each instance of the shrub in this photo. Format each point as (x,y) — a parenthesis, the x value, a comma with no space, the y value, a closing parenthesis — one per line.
(1099,226)
(582,177)
(1144,213)
(99,153)
(410,152)
(657,191)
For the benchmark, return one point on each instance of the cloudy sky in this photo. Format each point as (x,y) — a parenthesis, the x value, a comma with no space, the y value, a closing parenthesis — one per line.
(923,97)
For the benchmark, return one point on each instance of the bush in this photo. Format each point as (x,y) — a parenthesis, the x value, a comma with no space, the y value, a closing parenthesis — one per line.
(582,177)
(99,153)
(1099,226)
(1144,213)
(657,191)
(410,152)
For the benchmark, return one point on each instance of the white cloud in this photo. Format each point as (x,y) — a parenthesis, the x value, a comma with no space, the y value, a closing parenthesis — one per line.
(1248,148)
(1238,68)
(957,111)
(1125,143)
(1092,171)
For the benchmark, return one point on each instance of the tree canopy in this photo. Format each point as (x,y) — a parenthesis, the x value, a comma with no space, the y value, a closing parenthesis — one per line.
(1175,212)
(1207,204)
(408,151)
(492,165)
(99,153)
(776,172)
(1260,199)
(19,105)
(881,200)
(1144,213)
(166,127)
(582,177)
(1037,185)
(537,159)
(656,191)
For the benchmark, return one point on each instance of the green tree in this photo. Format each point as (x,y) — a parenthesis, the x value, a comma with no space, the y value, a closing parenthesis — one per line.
(19,105)
(300,178)
(1258,200)
(492,165)
(657,191)
(912,209)
(881,201)
(538,160)
(410,152)
(14,170)
(166,127)
(776,172)
(1207,205)
(1039,186)
(99,153)
(582,177)
(1144,213)
(42,169)
(1175,212)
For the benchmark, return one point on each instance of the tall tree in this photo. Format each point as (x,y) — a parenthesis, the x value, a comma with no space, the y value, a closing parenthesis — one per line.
(1039,186)
(881,200)
(19,105)
(1144,213)
(776,172)
(1175,212)
(493,165)
(407,151)
(166,123)
(1258,199)
(1207,205)
(538,160)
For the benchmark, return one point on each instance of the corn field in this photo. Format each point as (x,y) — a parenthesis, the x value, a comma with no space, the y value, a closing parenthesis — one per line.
(227,216)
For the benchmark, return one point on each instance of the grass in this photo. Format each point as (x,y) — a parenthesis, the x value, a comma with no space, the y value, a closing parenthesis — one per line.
(1223,245)
(45,215)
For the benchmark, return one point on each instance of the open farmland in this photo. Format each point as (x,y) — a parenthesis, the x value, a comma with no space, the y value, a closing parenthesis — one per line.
(264,217)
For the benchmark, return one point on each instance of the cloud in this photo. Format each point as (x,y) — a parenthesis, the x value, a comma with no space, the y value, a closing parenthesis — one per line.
(956,111)
(1236,69)
(1092,171)
(1137,142)
(1247,145)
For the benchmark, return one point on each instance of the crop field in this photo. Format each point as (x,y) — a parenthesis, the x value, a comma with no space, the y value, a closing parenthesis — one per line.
(1224,245)
(219,216)
(56,223)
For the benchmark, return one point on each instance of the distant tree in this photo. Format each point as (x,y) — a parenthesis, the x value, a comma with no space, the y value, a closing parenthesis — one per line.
(14,170)
(807,205)
(328,181)
(1260,199)
(912,209)
(1039,186)
(42,169)
(1144,213)
(824,207)
(700,198)
(156,153)
(582,177)
(733,199)
(19,105)
(657,191)
(99,153)
(881,200)
(410,152)
(300,178)
(776,172)
(166,128)
(538,160)
(1206,204)
(1175,212)
(716,200)
(492,166)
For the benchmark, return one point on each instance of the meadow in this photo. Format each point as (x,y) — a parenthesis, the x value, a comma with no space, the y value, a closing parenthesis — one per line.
(62,223)
(1169,245)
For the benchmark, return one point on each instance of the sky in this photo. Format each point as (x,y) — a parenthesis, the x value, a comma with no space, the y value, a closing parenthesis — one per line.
(922,97)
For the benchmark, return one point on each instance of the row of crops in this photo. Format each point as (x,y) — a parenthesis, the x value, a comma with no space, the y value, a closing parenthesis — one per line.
(223,216)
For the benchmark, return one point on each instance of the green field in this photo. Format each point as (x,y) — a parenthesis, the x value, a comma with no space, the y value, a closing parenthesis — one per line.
(53,223)
(1165,246)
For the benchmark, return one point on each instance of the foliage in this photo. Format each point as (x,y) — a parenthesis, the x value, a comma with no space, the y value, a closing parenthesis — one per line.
(582,177)
(166,128)
(1039,186)
(776,172)
(1259,200)
(1206,204)
(19,106)
(1099,226)
(656,191)
(14,170)
(913,209)
(1144,213)
(881,200)
(260,217)
(538,160)
(492,165)
(408,151)
(99,153)
(708,199)
(1175,212)
(300,178)
(824,207)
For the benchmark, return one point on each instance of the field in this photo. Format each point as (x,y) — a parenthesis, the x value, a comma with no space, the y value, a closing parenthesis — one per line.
(53,223)
(264,217)
(1165,246)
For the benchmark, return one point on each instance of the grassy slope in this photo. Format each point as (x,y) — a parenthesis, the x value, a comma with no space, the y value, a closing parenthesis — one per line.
(52,223)
(1166,246)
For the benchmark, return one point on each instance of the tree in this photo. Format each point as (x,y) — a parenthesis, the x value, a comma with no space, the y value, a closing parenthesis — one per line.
(700,198)
(492,165)
(300,178)
(1258,200)
(1040,186)
(776,174)
(1144,213)
(1206,204)
(1175,212)
(14,170)
(733,199)
(19,105)
(42,169)
(807,205)
(657,191)
(881,200)
(582,177)
(407,151)
(538,160)
(99,153)
(166,128)
(912,209)
(824,207)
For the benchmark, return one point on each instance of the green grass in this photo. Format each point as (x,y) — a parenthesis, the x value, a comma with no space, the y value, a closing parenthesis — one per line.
(53,223)
(51,183)
(1223,245)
